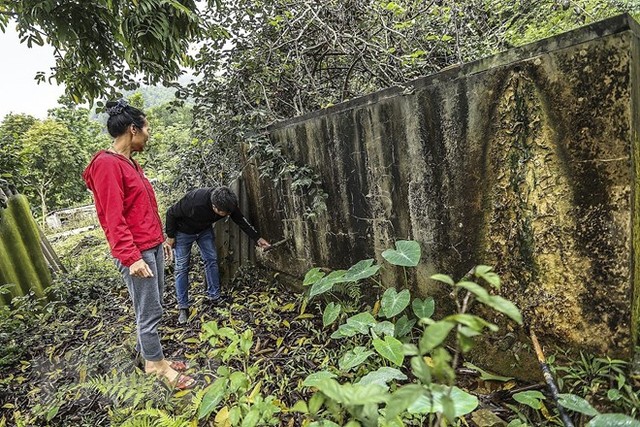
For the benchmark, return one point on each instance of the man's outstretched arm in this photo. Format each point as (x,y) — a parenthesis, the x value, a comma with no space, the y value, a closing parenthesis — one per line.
(249,229)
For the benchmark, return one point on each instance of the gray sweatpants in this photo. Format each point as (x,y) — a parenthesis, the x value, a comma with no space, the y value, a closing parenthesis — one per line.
(146,295)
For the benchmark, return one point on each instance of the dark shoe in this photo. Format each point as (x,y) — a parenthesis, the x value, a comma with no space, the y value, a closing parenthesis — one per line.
(183,315)
(219,300)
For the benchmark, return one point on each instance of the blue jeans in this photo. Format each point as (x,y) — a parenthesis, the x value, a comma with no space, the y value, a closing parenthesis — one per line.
(207,243)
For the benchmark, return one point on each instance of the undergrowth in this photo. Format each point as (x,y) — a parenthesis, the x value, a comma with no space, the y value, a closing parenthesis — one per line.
(70,362)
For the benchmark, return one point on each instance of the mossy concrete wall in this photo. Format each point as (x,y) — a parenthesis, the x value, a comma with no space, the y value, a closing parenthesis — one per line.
(526,161)
(234,247)
(22,263)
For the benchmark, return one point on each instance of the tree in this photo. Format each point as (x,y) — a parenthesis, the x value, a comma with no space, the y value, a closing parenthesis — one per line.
(88,136)
(11,130)
(169,158)
(284,59)
(104,44)
(51,163)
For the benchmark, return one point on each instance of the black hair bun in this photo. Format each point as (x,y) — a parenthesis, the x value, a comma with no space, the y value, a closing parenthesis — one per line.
(116,107)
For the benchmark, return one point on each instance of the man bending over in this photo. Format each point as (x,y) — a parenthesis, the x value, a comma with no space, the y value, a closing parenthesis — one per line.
(191,220)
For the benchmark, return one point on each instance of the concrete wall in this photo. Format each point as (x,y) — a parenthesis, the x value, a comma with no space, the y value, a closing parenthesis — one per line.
(525,161)
(234,247)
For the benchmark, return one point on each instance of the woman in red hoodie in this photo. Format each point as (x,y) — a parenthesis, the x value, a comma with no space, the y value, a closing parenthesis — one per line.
(128,213)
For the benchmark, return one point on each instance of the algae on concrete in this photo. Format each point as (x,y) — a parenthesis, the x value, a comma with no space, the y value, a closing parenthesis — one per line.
(526,161)
(22,263)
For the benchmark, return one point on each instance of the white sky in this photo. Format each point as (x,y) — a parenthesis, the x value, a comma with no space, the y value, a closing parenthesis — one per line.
(19,92)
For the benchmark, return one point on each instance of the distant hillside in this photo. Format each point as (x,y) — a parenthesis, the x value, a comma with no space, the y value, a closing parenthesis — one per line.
(153,96)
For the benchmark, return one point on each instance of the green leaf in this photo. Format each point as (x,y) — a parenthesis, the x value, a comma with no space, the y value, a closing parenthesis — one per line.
(324,423)
(421,370)
(474,322)
(246,341)
(390,349)
(485,272)
(384,328)
(613,420)
(448,408)
(344,331)
(356,394)
(312,380)
(312,276)
(227,333)
(404,326)
(394,302)
(482,269)
(331,313)
(441,364)
(474,288)
(487,376)
(326,283)
(530,398)
(235,414)
(463,402)
(577,404)
(238,380)
(300,406)
(410,349)
(402,398)
(614,394)
(315,403)
(361,322)
(503,306)
(423,307)
(251,419)
(465,340)
(382,376)
(361,270)
(353,358)
(52,412)
(406,254)
(443,278)
(214,394)
(352,394)
(435,335)
(468,332)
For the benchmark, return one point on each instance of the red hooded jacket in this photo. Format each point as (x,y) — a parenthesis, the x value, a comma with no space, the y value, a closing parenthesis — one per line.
(126,205)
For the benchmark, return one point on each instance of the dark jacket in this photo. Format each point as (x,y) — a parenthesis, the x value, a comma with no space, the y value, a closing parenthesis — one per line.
(194,213)
(125,204)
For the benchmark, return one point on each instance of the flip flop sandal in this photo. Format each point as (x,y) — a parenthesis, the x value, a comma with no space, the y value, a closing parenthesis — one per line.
(184,382)
(178,365)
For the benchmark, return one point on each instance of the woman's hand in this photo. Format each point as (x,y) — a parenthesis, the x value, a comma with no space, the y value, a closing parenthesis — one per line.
(167,246)
(140,269)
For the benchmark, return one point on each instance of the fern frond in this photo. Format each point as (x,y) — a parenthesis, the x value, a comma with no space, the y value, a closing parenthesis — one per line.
(161,418)
(137,421)
(196,401)
(122,388)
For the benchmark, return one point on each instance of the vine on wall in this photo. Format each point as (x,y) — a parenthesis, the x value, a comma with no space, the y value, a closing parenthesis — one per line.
(303,180)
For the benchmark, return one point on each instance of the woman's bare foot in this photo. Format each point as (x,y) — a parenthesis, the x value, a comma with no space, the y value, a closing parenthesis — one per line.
(163,368)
